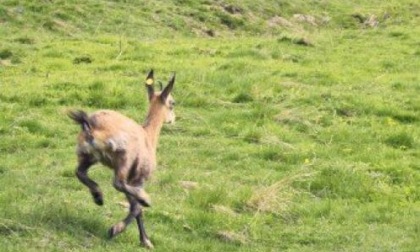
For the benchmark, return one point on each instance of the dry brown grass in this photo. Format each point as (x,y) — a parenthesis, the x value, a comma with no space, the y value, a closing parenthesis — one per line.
(230,236)
(278,197)
(224,210)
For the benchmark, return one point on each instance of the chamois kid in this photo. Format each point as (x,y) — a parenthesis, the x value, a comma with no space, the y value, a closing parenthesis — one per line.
(126,147)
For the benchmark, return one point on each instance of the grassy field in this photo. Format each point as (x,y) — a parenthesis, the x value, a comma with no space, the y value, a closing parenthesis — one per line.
(298,123)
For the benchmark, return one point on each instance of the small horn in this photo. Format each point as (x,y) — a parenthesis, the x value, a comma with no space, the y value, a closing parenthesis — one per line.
(165,93)
(160,85)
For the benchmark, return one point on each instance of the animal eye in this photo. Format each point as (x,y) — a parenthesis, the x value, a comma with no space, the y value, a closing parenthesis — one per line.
(171,104)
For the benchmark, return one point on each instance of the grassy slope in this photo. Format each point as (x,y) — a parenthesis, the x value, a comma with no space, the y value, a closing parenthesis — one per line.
(292,147)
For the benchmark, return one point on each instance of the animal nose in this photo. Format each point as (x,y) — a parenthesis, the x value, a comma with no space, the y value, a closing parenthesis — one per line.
(171,118)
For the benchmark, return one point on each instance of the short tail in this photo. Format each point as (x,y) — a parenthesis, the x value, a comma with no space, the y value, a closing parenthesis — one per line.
(80,117)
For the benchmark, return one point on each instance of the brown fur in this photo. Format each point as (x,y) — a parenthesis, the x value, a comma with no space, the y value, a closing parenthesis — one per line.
(126,147)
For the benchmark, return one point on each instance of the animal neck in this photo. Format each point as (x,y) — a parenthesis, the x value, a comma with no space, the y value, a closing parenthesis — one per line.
(153,124)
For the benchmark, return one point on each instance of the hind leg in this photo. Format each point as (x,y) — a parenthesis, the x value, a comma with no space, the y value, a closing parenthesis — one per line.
(85,162)
(137,192)
(134,189)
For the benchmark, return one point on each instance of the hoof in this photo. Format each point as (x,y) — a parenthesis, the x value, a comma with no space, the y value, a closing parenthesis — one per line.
(144,203)
(116,229)
(147,244)
(144,199)
(97,197)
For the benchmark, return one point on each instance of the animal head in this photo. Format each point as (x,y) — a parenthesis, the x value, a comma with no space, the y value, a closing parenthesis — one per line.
(161,99)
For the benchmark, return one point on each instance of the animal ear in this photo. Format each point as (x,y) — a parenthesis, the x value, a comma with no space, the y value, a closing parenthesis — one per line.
(165,93)
(149,84)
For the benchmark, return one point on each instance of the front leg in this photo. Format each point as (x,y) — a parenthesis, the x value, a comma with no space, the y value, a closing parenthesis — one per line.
(85,162)
(144,239)
(134,211)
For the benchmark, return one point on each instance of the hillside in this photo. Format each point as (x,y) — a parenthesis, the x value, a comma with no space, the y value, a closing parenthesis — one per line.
(145,19)
(298,123)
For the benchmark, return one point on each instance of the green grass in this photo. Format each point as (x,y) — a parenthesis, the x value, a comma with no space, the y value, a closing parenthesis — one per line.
(297,137)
